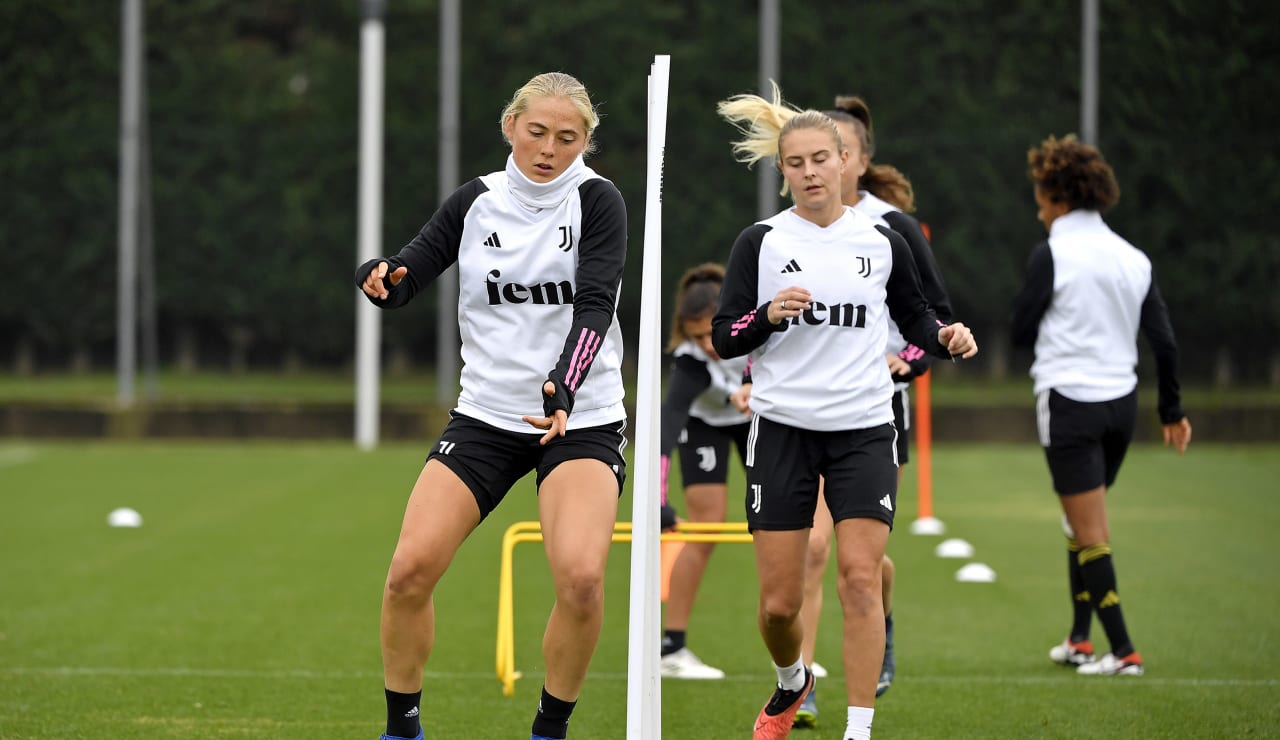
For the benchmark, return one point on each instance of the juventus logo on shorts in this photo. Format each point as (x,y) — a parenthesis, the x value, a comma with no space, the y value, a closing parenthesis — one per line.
(707,459)
(755,500)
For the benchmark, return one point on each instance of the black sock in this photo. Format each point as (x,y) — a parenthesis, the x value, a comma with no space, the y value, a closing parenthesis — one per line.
(552,719)
(1081,607)
(402,713)
(672,640)
(1100,577)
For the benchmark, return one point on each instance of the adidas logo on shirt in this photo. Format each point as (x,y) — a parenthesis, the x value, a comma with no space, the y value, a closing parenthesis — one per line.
(886,502)
(493,241)
(791,266)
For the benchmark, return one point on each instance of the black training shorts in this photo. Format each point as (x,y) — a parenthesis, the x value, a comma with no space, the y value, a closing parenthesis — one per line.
(1084,442)
(784,463)
(490,460)
(704,450)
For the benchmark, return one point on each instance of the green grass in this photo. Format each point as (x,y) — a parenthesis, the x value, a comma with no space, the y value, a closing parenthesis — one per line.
(247,604)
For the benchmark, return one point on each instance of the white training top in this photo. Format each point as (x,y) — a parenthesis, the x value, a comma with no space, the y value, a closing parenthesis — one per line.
(1085,349)
(726,377)
(824,370)
(875,209)
(538,286)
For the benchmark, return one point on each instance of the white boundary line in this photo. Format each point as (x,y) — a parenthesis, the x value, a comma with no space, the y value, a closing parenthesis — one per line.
(302,673)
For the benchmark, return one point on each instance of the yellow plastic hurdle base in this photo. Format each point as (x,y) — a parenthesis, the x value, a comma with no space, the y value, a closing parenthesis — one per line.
(532,532)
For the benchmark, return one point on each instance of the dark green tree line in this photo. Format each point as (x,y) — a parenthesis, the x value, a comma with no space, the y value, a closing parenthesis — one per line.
(254,126)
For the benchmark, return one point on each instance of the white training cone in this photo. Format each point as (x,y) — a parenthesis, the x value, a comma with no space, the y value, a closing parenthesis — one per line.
(928,525)
(976,573)
(953,548)
(124,517)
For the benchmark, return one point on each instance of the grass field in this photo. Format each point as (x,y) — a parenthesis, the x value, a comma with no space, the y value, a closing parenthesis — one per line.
(247,604)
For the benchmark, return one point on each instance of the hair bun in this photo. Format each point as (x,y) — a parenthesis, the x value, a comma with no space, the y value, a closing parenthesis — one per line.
(856,107)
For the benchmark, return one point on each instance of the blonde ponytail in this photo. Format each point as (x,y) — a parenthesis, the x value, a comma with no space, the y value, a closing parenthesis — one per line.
(763,124)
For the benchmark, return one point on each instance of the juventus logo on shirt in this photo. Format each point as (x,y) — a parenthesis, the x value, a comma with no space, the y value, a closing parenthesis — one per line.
(864,266)
(566,238)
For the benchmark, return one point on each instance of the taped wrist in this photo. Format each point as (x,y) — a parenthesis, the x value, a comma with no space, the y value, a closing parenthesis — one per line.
(561,400)
(363,272)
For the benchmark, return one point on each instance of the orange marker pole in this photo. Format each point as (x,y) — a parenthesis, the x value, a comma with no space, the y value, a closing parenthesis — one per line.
(924,447)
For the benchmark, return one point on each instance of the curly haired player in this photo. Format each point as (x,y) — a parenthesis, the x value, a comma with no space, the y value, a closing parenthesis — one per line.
(1088,293)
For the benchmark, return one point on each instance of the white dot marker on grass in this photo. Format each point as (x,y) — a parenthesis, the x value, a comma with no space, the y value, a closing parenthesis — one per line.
(124,517)
(928,526)
(976,573)
(953,548)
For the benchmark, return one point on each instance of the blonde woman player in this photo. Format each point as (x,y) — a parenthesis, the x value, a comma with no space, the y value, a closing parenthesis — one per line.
(808,293)
(540,247)
(885,195)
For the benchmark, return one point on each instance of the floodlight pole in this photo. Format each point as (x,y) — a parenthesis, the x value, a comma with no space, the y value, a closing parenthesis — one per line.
(127,258)
(369,228)
(447,292)
(770,45)
(1089,71)
(146,240)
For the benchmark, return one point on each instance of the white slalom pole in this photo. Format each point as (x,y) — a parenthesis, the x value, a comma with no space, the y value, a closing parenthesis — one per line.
(644,685)
(369,226)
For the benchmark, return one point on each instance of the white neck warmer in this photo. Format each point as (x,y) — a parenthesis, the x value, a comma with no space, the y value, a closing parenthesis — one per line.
(536,196)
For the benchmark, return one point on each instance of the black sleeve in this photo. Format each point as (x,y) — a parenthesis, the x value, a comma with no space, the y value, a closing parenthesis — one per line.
(739,325)
(689,377)
(919,361)
(905,299)
(935,290)
(1158,330)
(1033,300)
(429,253)
(602,253)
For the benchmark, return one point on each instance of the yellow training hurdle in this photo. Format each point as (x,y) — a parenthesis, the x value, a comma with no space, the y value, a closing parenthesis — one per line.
(532,532)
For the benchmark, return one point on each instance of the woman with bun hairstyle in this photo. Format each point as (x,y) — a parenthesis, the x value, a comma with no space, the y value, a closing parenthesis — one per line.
(703,414)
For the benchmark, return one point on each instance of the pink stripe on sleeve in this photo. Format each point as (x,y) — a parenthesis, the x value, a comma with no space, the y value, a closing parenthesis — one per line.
(588,344)
(666,467)
(743,323)
(911,353)
(577,353)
